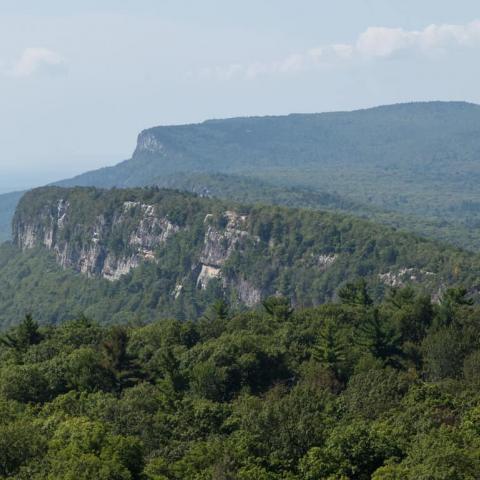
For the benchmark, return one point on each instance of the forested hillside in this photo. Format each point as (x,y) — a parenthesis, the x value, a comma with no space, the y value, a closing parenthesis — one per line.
(246,189)
(351,390)
(413,165)
(149,253)
(419,158)
(288,295)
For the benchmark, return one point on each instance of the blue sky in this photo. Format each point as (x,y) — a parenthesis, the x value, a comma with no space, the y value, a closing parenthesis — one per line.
(78,83)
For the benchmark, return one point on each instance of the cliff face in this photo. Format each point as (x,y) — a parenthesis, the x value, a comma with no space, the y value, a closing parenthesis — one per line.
(147,142)
(218,246)
(179,252)
(111,243)
(93,256)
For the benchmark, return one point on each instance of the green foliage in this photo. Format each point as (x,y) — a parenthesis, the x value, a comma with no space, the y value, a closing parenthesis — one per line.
(26,334)
(21,442)
(304,259)
(329,352)
(451,301)
(382,385)
(278,307)
(354,450)
(445,350)
(381,339)
(81,449)
(264,394)
(355,293)
(384,163)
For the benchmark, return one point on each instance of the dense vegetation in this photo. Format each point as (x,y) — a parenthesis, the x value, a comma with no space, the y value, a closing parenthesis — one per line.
(414,166)
(417,159)
(328,378)
(245,189)
(139,380)
(348,390)
(281,254)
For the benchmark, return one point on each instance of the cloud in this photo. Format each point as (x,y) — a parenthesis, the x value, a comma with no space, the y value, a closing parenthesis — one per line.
(375,43)
(385,42)
(34,60)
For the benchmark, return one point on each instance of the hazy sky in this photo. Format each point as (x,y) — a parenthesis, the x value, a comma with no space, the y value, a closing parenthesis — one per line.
(78,83)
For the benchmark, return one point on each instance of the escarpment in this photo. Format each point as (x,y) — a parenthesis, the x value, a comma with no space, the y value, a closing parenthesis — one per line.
(180,251)
(100,250)
(111,242)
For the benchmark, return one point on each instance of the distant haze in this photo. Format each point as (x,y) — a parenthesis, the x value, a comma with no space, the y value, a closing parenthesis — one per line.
(78,83)
(35,171)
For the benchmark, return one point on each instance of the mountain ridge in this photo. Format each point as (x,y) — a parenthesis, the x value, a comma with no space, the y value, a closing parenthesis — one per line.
(403,160)
(150,253)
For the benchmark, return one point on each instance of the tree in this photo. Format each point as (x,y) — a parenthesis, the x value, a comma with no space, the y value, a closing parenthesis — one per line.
(278,307)
(471,369)
(221,310)
(355,293)
(329,352)
(444,351)
(84,371)
(20,441)
(24,383)
(169,366)
(213,322)
(352,450)
(381,339)
(82,450)
(441,455)
(25,335)
(452,300)
(116,359)
(411,313)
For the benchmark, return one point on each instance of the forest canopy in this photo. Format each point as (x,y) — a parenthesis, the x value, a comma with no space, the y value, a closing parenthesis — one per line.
(349,390)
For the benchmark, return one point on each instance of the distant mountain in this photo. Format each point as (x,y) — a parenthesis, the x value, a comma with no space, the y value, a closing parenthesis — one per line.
(407,157)
(419,159)
(153,253)
(8,203)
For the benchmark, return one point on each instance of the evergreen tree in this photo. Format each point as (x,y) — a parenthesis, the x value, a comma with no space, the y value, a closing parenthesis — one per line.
(452,300)
(355,293)
(25,335)
(329,352)
(381,339)
(278,307)
(122,366)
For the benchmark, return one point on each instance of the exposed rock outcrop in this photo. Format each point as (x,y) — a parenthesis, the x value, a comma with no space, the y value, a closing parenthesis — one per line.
(206,274)
(326,261)
(247,293)
(219,244)
(403,276)
(149,143)
(190,249)
(94,255)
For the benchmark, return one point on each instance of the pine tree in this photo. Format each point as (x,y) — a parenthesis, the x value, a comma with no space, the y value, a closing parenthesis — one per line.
(330,349)
(278,307)
(381,340)
(451,302)
(25,335)
(355,294)
(123,367)
(221,310)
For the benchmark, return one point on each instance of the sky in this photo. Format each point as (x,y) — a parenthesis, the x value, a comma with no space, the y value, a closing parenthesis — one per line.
(79,82)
